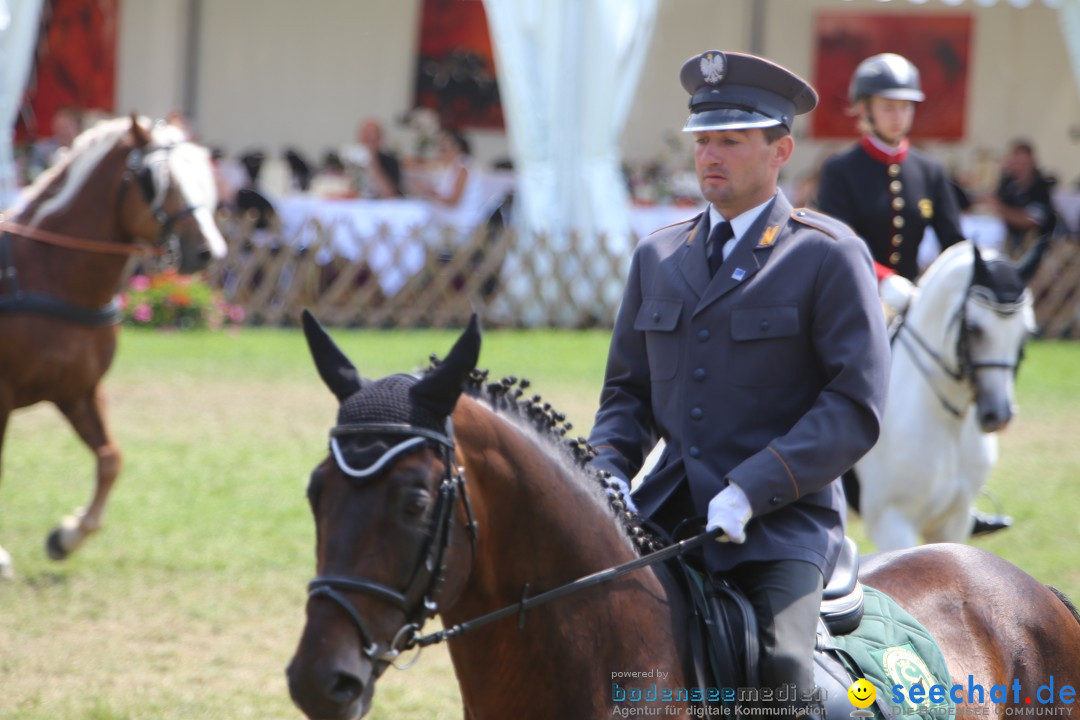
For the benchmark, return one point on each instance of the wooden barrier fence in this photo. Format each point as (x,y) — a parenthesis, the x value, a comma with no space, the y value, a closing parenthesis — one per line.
(561,282)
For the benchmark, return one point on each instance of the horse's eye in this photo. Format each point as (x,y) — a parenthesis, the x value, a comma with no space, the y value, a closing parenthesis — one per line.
(974,331)
(416,502)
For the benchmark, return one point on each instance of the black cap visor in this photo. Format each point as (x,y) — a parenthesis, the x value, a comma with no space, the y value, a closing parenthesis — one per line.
(728,119)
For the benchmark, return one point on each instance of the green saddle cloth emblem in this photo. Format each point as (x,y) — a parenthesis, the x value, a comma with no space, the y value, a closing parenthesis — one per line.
(892,648)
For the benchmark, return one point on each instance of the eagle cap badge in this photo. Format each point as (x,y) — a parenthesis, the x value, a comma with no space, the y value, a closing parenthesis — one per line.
(713,67)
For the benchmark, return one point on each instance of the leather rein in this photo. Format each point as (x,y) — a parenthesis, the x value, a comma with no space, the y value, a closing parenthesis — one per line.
(965,368)
(419,601)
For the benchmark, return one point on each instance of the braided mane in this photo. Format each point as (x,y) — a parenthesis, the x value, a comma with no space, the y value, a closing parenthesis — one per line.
(508,397)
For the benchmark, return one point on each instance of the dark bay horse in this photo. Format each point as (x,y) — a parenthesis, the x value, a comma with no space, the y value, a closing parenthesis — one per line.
(436,502)
(125,188)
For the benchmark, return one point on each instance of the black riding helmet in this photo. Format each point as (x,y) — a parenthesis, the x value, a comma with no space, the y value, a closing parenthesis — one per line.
(887,75)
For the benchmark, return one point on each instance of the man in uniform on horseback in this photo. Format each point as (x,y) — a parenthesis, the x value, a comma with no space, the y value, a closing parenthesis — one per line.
(751,340)
(890,192)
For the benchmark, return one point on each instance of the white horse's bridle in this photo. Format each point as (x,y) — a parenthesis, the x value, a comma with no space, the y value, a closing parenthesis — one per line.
(964,368)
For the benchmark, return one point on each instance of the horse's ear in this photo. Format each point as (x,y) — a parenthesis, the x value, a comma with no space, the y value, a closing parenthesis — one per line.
(980,274)
(335,369)
(141,135)
(439,389)
(1029,264)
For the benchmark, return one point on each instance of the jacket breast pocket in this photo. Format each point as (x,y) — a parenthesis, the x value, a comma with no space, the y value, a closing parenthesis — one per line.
(658,318)
(766,350)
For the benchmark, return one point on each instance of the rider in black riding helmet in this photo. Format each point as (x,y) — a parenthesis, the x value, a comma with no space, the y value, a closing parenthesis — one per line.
(890,192)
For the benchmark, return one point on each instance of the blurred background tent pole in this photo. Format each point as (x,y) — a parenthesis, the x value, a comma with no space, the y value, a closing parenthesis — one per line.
(568,71)
(18,38)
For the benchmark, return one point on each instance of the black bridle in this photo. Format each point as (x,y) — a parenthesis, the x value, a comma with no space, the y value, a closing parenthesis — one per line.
(965,368)
(140,171)
(419,601)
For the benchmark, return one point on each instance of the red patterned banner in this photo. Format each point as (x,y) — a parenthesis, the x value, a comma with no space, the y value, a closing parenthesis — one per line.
(456,68)
(75,65)
(938,44)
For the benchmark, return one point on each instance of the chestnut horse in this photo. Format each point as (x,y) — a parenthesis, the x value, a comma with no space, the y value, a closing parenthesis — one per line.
(125,188)
(436,502)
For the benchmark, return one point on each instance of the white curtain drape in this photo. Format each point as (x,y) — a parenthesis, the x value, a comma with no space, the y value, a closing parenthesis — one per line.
(18,39)
(1069,22)
(568,71)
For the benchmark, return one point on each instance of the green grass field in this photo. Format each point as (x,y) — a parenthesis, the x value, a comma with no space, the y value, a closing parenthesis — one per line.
(190,601)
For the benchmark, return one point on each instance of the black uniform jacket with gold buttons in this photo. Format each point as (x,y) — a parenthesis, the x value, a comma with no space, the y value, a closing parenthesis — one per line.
(890,205)
(771,374)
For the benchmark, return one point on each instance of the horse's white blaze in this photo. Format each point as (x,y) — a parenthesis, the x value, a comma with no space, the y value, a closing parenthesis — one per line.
(192,170)
(928,465)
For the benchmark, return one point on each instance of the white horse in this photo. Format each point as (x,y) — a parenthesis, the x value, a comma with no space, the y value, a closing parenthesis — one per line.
(955,356)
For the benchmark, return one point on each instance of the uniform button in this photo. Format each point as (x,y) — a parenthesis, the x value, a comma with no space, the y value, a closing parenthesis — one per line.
(774,500)
(898,222)
(897,240)
(656,317)
(894,170)
(699,374)
(694,451)
(894,259)
(898,203)
(764,326)
(697,413)
(895,187)
(702,335)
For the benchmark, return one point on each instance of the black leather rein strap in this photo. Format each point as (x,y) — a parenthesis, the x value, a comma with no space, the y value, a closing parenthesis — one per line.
(603,576)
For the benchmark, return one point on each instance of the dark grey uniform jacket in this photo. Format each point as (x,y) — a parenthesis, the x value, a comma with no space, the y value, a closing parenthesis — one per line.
(772,375)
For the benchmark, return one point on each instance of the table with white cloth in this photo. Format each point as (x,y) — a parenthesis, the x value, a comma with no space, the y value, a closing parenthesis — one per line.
(390,235)
(986,231)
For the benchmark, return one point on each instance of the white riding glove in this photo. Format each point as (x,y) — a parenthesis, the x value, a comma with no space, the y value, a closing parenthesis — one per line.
(730,511)
(624,487)
(896,293)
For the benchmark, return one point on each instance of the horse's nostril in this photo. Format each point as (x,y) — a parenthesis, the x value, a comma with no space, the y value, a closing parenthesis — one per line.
(205,255)
(345,688)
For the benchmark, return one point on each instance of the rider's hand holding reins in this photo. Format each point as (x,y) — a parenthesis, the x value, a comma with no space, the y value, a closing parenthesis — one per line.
(730,511)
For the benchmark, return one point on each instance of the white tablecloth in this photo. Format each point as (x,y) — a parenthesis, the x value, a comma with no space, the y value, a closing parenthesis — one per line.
(986,231)
(391,235)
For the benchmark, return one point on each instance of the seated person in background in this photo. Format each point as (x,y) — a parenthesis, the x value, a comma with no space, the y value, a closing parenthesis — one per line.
(453,167)
(378,170)
(1023,196)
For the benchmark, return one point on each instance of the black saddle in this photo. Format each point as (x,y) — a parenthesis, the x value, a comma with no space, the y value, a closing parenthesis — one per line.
(724,634)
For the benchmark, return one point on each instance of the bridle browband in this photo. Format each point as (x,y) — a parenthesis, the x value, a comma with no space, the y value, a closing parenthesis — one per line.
(965,369)
(431,571)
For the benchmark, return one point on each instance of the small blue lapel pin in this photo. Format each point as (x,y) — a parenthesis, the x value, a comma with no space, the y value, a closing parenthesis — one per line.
(738,275)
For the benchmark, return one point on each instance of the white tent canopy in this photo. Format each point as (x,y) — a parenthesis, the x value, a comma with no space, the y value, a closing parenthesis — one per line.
(18,39)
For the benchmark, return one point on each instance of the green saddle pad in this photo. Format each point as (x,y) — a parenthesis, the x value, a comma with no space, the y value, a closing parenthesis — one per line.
(891,648)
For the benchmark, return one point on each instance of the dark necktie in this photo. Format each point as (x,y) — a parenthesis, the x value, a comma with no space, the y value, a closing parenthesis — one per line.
(715,247)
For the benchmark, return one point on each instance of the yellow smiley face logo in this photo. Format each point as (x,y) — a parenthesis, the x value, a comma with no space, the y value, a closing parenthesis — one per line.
(861,693)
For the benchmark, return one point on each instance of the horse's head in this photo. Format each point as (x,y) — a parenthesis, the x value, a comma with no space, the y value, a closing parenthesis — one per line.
(385,503)
(175,195)
(995,321)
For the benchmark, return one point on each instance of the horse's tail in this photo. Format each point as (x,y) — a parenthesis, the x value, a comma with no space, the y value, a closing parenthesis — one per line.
(850,481)
(1066,602)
